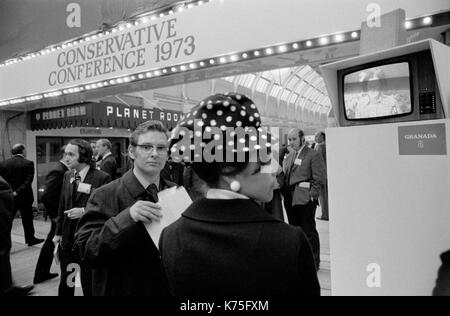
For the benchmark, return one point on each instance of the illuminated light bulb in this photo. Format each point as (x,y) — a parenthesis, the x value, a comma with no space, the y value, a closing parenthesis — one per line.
(114,30)
(64,46)
(145,20)
(427,21)
(223,60)
(339,38)
(282,49)
(69,45)
(190,6)
(234,58)
(126,79)
(309,43)
(269,51)
(174,69)
(129,25)
(257,54)
(136,23)
(153,18)
(408,24)
(212,62)
(164,71)
(183,68)
(148,74)
(121,28)
(133,77)
(65,91)
(105,83)
(354,34)
(193,66)
(161,15)
(71,90)
(324,41)
(120,80)
(295,46)
(202,64)
(171,12)
(245,55)
(157,73)
(141,76)
(180,9)
(112,81)
(100,84)
(94,86)
(94,37)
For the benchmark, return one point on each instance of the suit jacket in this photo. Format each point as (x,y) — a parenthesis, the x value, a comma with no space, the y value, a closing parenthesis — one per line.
(123,258)
(109,165)
(19,173)
(443,282)
(233,248)
(6,205)
(65,226)
(312,170)
(322,149)
(53,187)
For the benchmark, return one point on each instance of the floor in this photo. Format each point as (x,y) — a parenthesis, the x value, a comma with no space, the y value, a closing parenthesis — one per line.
(24,258)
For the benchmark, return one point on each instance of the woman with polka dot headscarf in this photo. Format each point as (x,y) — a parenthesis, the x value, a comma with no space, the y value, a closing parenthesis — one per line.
(226,244)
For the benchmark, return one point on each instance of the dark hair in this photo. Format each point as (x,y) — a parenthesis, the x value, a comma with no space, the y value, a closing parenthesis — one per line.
(106,142)
(84,150)
(148,126)
(18,149)
(321,133)
(62,152)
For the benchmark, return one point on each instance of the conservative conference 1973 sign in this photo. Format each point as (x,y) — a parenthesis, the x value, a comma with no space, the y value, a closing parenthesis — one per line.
(100,115)
(203,32)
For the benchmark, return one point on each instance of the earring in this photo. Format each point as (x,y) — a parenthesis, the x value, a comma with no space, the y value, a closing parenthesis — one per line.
(235,186)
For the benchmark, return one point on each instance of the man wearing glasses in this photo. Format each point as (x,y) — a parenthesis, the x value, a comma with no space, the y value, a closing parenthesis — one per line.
(111,235)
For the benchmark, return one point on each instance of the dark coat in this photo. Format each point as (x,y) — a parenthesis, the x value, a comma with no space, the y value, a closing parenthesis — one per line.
(443,282)
(123,257)
(109,165)
(312,170)
(19,173)
(233,248)
(6,205)
(53,187)
(65,226)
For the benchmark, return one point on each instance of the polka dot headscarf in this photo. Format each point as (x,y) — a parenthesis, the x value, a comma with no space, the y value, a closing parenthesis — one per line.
(222,119)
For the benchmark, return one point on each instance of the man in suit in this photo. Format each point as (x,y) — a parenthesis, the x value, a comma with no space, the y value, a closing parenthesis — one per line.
(78,185)
(108,163)
(50,199)
(6,207)
(321,147)
(112,237)
(304,171)
(19,173)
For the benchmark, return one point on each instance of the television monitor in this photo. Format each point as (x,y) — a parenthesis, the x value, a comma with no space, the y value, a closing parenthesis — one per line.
(390,90)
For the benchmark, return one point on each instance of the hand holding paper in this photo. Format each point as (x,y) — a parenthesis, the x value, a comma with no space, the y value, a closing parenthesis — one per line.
(173,202)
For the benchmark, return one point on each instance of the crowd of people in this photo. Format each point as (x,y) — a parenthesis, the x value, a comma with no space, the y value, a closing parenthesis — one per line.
(232,240)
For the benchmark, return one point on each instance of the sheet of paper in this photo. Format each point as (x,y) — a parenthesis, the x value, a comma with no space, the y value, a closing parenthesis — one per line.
(174,202)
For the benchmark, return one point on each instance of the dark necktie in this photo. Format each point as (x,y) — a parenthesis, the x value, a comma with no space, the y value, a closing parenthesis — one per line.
(75,184)
(152,192)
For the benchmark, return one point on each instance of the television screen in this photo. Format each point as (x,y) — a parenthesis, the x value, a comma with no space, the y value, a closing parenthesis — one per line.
(382,91)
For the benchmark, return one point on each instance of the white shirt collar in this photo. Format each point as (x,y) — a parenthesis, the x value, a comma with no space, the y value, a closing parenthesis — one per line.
(217,194)
(108,154)
(83,173)
(142,180)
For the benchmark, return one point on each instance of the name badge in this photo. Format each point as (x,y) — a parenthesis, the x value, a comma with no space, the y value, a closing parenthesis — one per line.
(298,162)
(305,185)
(84,188)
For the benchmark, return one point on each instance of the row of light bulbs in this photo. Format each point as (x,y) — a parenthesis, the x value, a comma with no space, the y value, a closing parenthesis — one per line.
(143,19)
(232,58)
(222,60)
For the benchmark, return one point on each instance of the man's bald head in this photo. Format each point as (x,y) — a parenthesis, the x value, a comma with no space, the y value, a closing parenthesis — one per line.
(18,149)
(296,138)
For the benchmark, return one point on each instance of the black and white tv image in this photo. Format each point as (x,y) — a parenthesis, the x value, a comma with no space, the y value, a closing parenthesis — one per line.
(383,91)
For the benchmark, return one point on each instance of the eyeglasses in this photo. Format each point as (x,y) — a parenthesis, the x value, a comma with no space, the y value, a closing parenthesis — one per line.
(148,148)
